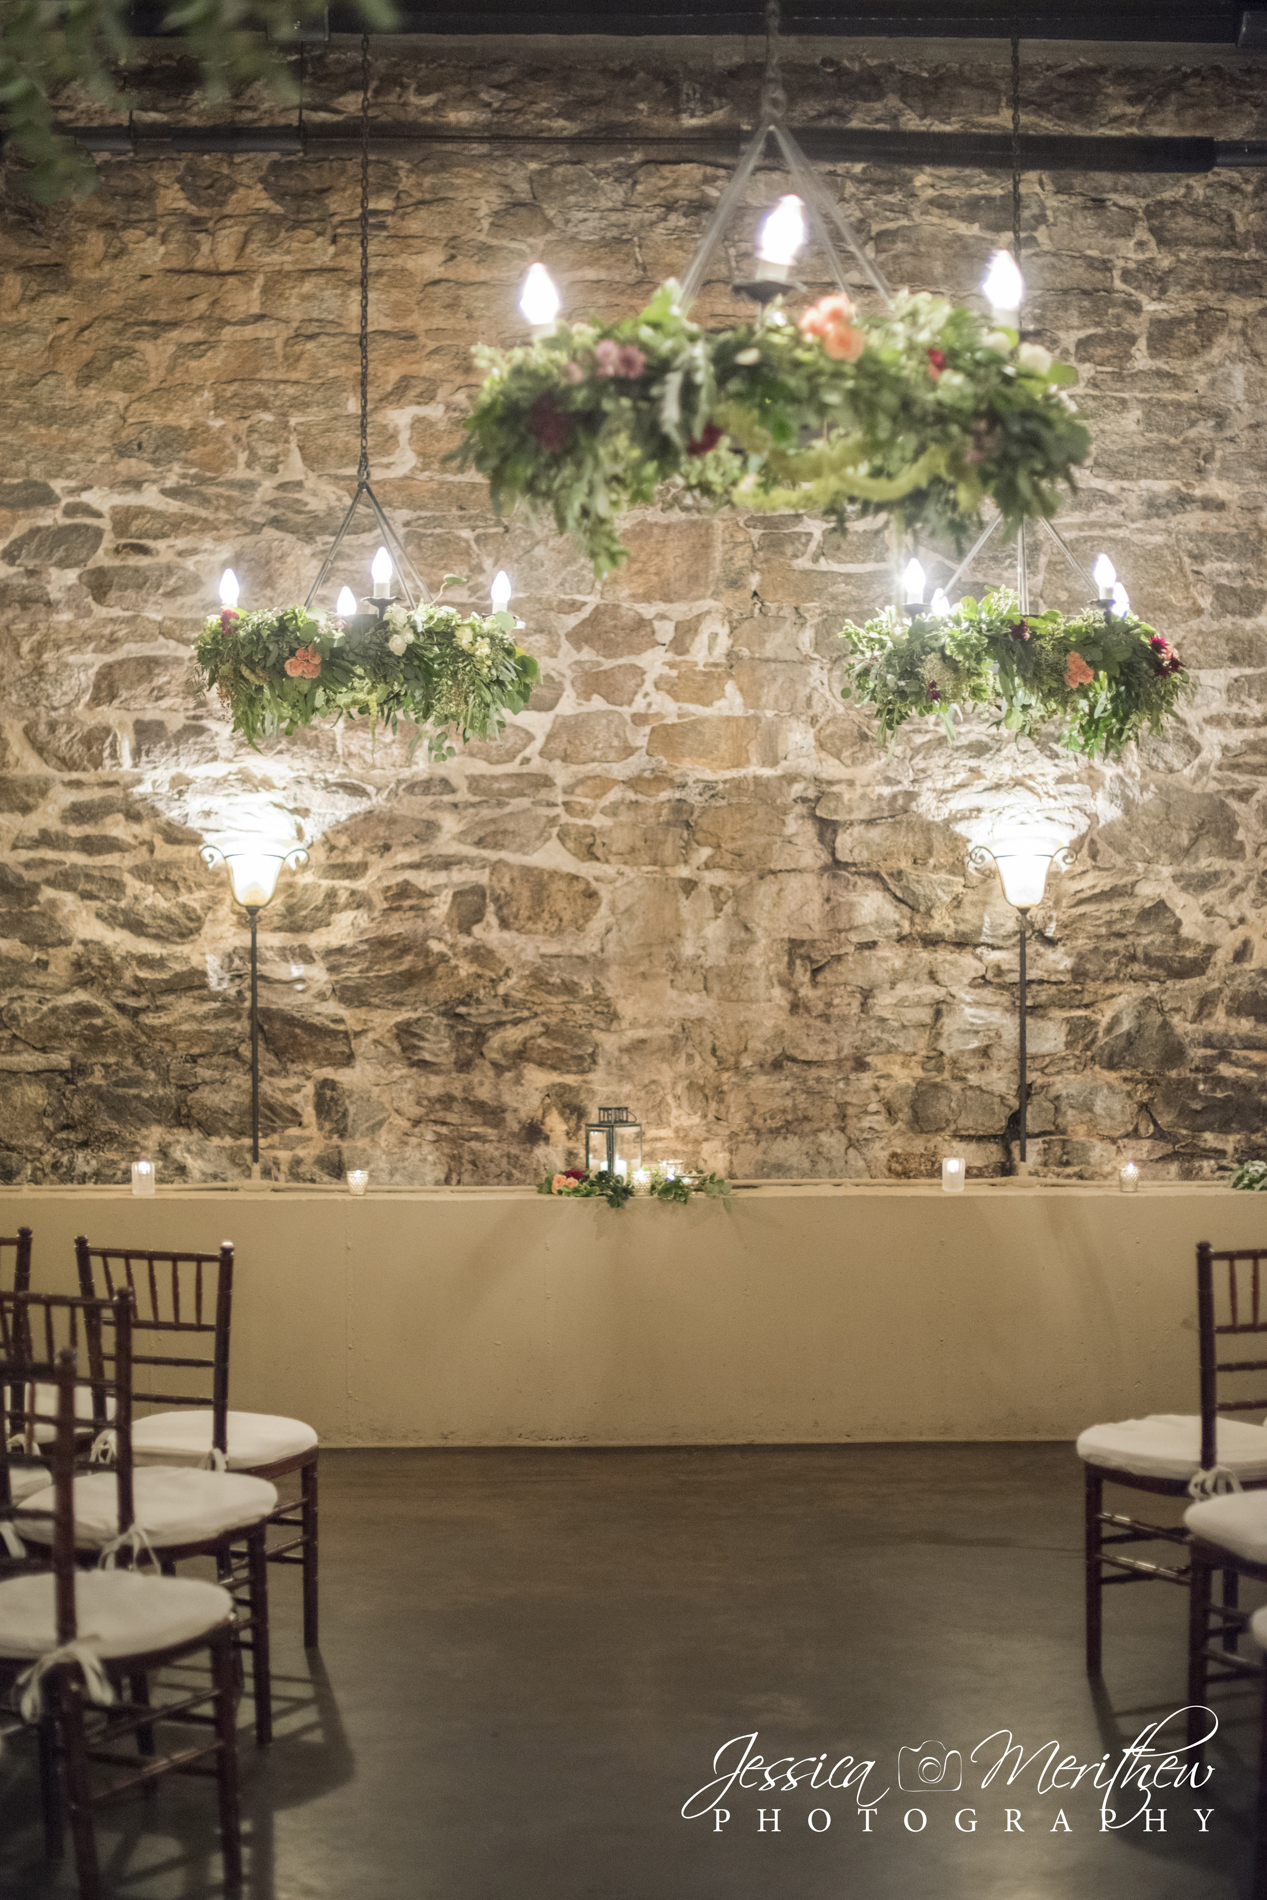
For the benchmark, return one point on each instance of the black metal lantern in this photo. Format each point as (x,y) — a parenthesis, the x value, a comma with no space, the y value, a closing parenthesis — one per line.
(613,1144)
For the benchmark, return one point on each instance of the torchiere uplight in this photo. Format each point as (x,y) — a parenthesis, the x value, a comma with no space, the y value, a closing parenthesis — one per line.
(253,875)
(1022,867)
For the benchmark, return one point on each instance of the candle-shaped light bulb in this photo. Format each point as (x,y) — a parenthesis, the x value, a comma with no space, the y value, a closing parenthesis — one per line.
(540,301)
(941,604)
(1104,574)
(1121,600)
(782,235)
(228,588)
(381,571)
(1005,289)
(913,583)
(500,591)
(346,603)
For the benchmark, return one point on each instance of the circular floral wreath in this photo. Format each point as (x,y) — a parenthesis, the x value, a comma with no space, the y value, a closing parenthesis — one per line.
(443,670)
(1107,678)
(921,412)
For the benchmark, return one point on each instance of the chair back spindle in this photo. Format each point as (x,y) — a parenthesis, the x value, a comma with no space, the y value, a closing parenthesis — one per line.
(1230,1287)
(15,1261)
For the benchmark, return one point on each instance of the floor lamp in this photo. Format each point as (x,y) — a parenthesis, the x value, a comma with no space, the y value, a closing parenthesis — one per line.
(253,876)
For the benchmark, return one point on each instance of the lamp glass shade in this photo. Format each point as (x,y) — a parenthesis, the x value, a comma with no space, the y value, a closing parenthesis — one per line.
(228,588)
(381,569)
(346,603)
(782,234)
(613,1144)
(940,604)
(1023,875)
(254,876)
(500,591)
(539,300)
(1104,574)
(913,583)
(1004,287)
(1121,600)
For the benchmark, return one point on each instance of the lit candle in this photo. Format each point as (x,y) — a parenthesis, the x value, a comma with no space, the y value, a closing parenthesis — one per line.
(913,581)
(142,1177)
(780,240)
(953,1172)
(346,603)
(358,1180)
(499,592)
(1005,288)
(941,604)
(381,572)
(1121,600)
(642,1179)
(540,302)
(228,588)
(1128,1178)
(1104,574)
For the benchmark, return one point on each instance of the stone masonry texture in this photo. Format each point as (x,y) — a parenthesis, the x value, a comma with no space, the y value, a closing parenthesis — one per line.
(687,878)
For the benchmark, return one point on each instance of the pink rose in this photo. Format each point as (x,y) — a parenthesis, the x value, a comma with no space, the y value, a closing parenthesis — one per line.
(625,360)
(1077,672)
(304,664)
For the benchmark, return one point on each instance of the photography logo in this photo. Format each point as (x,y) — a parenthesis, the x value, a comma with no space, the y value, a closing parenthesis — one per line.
(932,1767)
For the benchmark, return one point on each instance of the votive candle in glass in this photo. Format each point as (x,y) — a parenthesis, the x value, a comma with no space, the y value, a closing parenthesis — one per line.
(1128,1178)
(953,1174)
(142,1177)
(672,1169)
(358,1180)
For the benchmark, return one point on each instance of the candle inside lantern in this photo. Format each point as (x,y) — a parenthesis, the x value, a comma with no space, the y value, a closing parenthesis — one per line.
(358,1180)
(346,603)
(1128,1178)
(953,1174)
(142,1177)
(780,239)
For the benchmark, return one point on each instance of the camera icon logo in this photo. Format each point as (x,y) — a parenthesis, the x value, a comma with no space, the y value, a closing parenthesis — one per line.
(929,1767)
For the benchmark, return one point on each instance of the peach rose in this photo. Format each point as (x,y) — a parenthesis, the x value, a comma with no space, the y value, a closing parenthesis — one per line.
(305,664)
(1077,672)
(831,320)
(561,1183)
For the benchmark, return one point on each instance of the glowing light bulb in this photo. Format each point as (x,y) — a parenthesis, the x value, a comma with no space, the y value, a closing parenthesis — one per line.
(1121,600)
(500,591)
(346,603)
(1104,574)
(381,571)
(941,603)
(782,237)
(1005,288)
(913,583)
(540,301)
(228,588)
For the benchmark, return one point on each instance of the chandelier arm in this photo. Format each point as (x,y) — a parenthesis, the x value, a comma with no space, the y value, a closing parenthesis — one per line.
(973,551)
(1069,555)
(363,466)
(773,95)
(824,211)
(328,563)
(694,278)
(404,566)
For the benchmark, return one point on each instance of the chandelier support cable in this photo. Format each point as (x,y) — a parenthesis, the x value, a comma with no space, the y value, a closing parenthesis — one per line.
(363,467)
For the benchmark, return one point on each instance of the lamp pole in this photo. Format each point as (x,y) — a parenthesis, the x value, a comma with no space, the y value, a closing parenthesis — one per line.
(253,912)
(1024,917)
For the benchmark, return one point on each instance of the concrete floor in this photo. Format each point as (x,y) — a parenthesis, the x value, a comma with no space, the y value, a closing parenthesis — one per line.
(530,1659)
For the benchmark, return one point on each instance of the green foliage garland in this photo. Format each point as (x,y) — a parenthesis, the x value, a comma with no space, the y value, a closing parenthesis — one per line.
(617,1190)
(1107,678)
(1251,1175)
(434,666)
(919,413)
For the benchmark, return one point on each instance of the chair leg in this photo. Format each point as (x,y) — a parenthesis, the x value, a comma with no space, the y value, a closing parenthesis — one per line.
(227,1758)
(139,1690)
(308,1489)
(1200,1580)
(1259,1889)
(261,1680)
(51,1788)
(1094,1582)
(1231,1601)
(70,1723)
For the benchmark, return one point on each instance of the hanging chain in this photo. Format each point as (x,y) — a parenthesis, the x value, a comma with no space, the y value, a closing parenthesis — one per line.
(773,97)
(363,467)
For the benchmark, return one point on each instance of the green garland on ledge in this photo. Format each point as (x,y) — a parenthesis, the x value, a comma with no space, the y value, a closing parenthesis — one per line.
(1106,677)
(575,1184)
(1251,1175)
(435,666)
(920,413)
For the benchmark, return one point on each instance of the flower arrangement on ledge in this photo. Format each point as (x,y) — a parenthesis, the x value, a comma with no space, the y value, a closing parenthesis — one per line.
(442,669)
(921,412)
(1105,677)
(616,1189)
(1251,1175)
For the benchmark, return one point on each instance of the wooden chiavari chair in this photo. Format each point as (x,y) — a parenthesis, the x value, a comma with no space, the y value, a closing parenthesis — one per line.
(167,1514)
(133,1625)
(1171,1456)
(15,1261)
(191,1294)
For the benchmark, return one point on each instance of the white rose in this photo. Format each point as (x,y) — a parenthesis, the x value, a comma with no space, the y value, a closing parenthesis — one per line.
(999,341)
(398,643)
(1034,358)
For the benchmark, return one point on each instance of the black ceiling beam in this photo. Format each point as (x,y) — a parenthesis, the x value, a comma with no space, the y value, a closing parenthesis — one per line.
(992,151)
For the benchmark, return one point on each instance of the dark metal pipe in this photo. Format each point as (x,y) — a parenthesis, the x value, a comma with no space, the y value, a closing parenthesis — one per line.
(1024,1075)
(990,151)
(253,914)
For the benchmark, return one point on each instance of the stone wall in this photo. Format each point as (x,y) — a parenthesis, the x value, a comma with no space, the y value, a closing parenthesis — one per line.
(687,879)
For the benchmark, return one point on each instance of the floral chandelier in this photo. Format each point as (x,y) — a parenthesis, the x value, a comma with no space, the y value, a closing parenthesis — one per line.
(406,657)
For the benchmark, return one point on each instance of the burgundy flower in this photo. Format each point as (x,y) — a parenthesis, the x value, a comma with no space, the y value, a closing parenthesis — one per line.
(1019,630)
(625,360)
(1159,643)
(936,363)
(573,1174)
(933,691)
(708,438)
(550,424)
(229,617)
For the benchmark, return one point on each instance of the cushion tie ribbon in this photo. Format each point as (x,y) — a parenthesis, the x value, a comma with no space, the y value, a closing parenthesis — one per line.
(31,1682)
(1217,1482)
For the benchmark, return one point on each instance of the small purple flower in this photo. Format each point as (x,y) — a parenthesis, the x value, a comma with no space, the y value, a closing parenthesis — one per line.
(624,360)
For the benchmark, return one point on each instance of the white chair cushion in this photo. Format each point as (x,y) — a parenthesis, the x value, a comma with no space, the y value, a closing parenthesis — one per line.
(24,1479)
(46,1401)
(255,1438)
(1258,1627)
(119,1612)
(1236,1522)
(1168,1446)
(171,1506)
